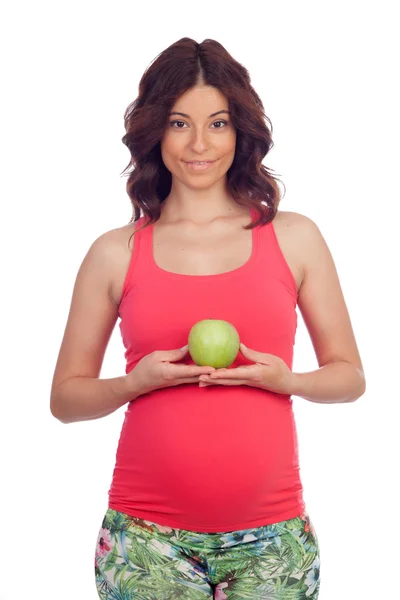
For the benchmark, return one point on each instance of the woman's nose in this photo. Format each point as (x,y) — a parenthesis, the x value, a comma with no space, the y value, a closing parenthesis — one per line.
(199,141)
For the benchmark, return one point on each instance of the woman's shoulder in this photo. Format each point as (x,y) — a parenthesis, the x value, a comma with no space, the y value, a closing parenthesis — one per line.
(114,241)
(293,227)
(298,237)
(119,239)
(288,218)
(114,248)
(302,227)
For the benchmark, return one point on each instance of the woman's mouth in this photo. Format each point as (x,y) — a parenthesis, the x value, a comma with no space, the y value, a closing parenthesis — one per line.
(200,165)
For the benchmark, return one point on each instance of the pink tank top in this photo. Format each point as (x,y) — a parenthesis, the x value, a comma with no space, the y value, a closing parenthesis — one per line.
(218,458)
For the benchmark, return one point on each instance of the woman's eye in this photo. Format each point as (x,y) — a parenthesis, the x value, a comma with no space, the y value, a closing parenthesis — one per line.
(224,122)
(182,122)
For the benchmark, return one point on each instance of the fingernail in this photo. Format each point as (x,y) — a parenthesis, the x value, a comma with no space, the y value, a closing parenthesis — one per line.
(184,348)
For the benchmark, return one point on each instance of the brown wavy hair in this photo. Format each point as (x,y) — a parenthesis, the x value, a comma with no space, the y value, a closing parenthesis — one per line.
(180,67)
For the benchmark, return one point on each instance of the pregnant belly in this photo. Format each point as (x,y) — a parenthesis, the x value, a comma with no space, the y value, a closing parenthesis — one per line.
(208,454)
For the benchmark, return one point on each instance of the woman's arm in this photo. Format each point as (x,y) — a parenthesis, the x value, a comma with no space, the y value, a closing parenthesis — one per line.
(88,398)
(335,382)
(340,377)
(77,393)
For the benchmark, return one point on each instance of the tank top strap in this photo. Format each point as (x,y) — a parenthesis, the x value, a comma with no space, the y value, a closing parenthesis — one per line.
(263,237)
(271,257)
(141,248)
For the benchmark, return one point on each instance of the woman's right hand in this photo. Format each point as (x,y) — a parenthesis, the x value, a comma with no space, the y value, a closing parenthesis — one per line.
(157,370)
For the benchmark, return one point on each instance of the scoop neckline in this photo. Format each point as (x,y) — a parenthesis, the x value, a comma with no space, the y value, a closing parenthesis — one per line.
(207,277)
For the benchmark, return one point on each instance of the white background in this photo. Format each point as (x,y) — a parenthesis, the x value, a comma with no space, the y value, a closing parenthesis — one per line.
(327,74)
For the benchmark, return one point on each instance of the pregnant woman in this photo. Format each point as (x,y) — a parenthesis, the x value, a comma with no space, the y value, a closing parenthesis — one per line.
(206,499)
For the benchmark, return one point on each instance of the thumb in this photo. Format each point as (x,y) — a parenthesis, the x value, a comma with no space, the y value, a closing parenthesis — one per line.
(173,355)
(252,354)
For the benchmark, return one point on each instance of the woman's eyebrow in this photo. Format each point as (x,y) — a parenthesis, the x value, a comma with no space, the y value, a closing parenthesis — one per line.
(188,117)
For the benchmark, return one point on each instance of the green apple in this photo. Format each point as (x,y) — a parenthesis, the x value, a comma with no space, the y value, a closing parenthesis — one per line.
(213,343)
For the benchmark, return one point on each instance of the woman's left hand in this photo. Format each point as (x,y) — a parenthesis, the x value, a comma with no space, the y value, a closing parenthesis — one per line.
(268,373)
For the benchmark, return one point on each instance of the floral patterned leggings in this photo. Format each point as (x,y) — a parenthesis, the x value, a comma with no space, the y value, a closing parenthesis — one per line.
(140,560)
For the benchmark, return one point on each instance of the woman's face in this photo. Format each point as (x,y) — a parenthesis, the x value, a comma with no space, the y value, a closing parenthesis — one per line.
(198,134)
